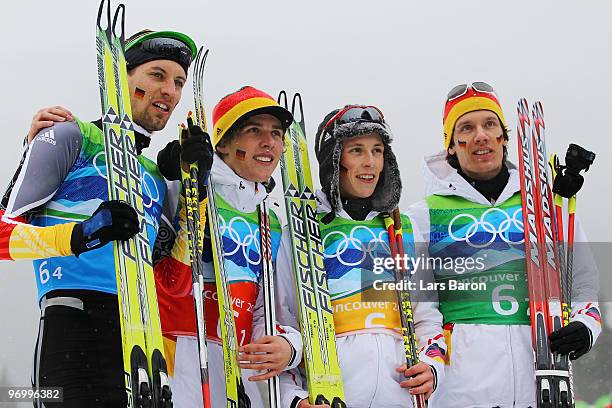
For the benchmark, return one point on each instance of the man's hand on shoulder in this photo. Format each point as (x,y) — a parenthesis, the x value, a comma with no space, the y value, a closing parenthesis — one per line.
(46,117)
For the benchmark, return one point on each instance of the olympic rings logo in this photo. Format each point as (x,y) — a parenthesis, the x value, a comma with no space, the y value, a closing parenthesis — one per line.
(372,248)
(98,166)
(246,242)
(467,232)
(149,195)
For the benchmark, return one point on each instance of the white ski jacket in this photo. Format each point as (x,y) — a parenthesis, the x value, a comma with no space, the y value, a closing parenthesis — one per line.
(368,357)
(244,196)
(492,365)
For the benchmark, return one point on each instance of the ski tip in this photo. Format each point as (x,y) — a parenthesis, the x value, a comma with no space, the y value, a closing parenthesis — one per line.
(282,99)
(297,102)
(200,61)
(119,18)
(538,109)
(199,54)
(522,109)
(100,13)
(204,56)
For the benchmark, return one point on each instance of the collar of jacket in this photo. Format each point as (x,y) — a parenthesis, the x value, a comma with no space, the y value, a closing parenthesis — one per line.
(241,194)
(441,179)
(142,136)
(492,188)
(323,206)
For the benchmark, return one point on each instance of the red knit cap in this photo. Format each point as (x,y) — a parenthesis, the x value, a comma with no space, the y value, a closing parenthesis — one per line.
(246,101)
(471,101)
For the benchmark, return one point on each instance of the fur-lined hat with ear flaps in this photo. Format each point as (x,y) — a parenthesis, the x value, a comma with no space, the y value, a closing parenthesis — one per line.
(328,149)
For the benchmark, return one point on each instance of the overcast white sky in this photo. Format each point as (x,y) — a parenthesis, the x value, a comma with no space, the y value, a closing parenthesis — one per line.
(402,56)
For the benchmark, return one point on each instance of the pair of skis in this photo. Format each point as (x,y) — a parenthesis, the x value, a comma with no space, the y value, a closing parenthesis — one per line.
(235,392)
(549,269)
(393,224)
(315,312)
(268,293)
(145,372)
(189,178)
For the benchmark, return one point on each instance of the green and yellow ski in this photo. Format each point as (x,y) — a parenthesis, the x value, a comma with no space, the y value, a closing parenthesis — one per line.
(195,220)
(145,372)
(235,392)
(323,373)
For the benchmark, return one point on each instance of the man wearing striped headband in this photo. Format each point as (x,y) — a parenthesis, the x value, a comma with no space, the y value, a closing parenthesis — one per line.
(472,215)
(469,109)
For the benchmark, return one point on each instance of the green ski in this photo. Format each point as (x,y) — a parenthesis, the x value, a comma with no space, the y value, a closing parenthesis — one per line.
(145,371)
(314,304)
(235,392)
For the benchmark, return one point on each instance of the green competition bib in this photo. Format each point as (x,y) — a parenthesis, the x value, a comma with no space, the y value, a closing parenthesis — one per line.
(477,254)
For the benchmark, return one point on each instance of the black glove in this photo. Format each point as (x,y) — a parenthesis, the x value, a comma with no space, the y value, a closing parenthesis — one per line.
(574,339)
(196,148)
(113,220)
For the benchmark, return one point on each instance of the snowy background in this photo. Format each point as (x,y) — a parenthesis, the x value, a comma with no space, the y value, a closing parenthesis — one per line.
(402,56)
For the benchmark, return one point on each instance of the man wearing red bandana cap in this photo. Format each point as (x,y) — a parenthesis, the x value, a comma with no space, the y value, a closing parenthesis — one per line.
(473,191)
(248,134)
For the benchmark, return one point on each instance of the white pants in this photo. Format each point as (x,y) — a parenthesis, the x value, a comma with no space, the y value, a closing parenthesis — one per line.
(490,366)
(186,385)
(368,363)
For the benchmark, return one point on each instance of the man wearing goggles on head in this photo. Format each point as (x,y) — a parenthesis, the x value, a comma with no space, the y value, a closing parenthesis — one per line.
(472,211)
(360,182)
(61,188)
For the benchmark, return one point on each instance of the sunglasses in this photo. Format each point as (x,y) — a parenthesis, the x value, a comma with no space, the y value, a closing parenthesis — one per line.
(462,89)
(357,113)
(168,47)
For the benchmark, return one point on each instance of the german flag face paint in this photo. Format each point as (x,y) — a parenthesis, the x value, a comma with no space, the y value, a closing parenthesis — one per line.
(139,93)
(467,98)
(479,144)
(254,151)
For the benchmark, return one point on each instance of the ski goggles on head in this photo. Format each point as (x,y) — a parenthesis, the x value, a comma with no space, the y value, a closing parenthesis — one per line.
(356,113)
(170,48)
(460,90)
(154,45)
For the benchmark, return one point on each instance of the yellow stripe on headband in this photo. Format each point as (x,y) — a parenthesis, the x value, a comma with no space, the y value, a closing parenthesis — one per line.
(467,105)
(236,112)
